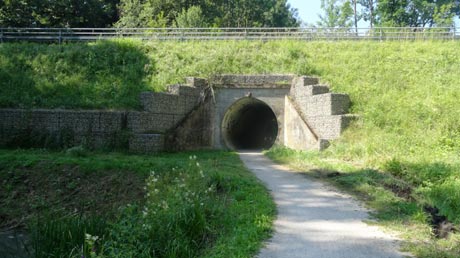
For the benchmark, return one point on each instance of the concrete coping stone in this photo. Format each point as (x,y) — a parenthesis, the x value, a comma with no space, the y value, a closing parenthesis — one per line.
(305,80)
(253,86)
(196,82)
(61,110)
(181,89)
(231,79)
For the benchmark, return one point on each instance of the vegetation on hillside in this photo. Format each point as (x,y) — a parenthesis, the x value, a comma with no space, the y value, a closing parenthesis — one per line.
(406,94)
(96,75)
(389,13)
(80,204)
(146,13)
(219,13)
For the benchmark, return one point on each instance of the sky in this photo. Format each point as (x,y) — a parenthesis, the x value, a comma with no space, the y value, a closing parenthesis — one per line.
(309,10)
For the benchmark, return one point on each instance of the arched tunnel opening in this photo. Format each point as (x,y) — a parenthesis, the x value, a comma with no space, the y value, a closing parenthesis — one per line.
(249,124)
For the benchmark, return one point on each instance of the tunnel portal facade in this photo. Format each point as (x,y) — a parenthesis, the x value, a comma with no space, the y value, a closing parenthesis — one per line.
(255,112)
(222,112)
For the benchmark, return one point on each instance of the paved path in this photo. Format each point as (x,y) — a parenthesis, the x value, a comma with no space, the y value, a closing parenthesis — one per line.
(315,220)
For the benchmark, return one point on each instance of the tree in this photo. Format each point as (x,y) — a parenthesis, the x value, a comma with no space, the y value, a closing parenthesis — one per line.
(218,13)
(18,13)
(58,13)
(416,13)
(444,16)
(191,18)
(337,14)
(367,12)
(355,14)
(392,13)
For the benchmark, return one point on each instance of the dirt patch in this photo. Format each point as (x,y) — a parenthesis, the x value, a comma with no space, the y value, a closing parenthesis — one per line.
(400,190)
(28,192)
(325,173)
(441,226)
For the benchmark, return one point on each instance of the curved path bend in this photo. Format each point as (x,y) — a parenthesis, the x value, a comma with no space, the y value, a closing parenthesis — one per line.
(315,220)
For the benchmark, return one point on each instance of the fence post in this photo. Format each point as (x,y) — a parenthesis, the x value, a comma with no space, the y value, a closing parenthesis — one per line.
(381,34)
(1,35)
(60,36)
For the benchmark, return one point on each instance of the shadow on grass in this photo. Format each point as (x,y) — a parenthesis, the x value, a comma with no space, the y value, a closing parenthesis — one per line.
(103,74)
(391,199)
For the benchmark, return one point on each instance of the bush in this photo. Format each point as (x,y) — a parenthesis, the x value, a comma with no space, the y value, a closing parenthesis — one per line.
(53,237)
(177,226)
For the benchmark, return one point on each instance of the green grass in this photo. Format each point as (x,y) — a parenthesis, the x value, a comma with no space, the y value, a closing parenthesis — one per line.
(397,204)
(406,94)
(111,74)
(212,209)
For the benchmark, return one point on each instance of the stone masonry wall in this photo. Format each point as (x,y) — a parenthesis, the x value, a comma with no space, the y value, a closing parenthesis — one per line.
(95,128)
(140,131)
(163,113)
(325,113)
(194,132)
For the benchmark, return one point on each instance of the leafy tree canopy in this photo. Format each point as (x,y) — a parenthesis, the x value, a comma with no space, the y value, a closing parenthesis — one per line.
(58,13)
(218,13)
(336,14)
(391,13)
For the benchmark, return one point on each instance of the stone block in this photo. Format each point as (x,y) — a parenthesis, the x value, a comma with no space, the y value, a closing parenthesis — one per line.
(340,103)
(161,103)
(323,144)
(304,81)
(146,143)
(44,120)
(324,104)
(14,119)
(252,79)
(326,127)
(308,90)
(196,82)
(144,122)
(80,122)
(178,89)
(329,127)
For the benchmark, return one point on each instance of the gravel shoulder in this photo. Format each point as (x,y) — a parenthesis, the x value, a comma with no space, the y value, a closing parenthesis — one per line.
(315,220)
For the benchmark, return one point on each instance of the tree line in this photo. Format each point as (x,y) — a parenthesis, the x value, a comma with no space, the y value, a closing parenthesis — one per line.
(147,13)
(223,13)
(389,13)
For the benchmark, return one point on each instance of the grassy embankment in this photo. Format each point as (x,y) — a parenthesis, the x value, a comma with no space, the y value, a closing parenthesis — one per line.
(402,155)
(168,205)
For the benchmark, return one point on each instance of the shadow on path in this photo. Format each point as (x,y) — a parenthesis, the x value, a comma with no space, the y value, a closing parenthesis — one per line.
(315,220)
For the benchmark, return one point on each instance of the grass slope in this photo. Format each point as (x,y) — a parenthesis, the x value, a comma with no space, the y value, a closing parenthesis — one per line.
(405,92)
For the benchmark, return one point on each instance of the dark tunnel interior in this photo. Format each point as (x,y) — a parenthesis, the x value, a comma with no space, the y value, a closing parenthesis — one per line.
(250,124)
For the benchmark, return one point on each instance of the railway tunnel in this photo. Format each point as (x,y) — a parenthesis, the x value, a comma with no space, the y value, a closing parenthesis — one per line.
(249,124)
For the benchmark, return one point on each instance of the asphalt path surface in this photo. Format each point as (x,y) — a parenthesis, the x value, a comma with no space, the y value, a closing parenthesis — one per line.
(315,220)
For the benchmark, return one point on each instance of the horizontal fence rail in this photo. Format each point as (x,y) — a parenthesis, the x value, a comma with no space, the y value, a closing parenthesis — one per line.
(92,34)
